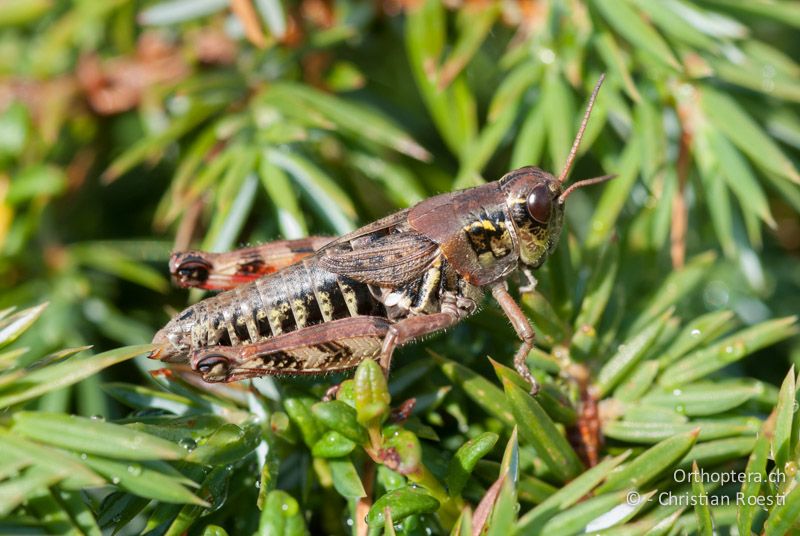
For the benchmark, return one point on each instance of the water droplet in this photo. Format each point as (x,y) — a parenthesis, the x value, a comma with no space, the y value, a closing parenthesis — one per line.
(695,332)
(680,408)
(677,392)
(83,456)
(716,295)
(188,443)
(284,507)
(116,519)
(135,470)
(97,418)
(115,480)
(790,469)
(258,484)
(547,56)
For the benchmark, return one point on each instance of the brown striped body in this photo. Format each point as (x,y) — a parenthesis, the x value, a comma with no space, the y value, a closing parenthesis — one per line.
(432,259)
(303,295)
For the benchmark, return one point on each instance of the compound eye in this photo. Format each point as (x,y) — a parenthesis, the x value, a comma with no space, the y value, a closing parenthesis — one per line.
(540,204)
(213,364)
(193,270)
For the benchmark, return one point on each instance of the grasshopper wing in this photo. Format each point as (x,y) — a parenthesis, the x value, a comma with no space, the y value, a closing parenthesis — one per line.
(387,261)
(223,271)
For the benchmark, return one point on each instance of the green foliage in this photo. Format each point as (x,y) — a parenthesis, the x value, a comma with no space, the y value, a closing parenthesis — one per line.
(128,129)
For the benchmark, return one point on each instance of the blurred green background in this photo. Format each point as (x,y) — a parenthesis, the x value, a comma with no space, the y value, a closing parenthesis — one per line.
(129,129)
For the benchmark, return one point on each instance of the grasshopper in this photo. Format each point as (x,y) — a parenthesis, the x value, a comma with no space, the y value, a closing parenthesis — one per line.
(320,304)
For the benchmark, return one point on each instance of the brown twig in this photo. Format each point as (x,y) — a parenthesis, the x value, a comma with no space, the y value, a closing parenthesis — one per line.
(586,435)
(680,215)
(365,503)
(246,13)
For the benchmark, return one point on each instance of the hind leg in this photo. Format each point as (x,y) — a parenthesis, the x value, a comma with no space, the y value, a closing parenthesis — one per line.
(328,347)
(409,329)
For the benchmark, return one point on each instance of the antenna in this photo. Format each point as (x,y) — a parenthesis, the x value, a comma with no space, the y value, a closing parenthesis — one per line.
(581,184)
(575,144)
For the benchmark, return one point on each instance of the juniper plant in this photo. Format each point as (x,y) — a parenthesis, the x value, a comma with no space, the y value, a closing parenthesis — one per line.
(665,335)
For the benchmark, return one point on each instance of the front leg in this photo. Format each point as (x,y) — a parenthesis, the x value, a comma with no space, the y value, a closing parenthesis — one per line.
(524,330)
(222,271)
(529,283)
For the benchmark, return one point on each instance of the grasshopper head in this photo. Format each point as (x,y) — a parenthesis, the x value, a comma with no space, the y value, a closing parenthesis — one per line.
(532,196)
(536,199)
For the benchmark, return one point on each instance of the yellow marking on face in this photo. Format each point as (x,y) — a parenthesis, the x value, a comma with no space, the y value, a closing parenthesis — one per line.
(489,226)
